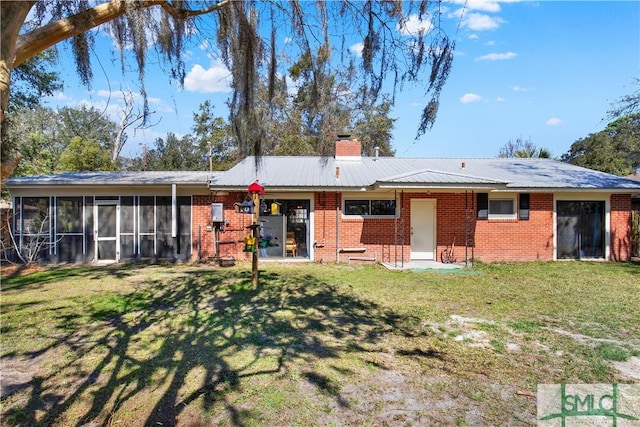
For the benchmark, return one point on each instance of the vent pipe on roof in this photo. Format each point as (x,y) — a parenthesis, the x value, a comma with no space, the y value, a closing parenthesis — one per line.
(377,151)
(463,165)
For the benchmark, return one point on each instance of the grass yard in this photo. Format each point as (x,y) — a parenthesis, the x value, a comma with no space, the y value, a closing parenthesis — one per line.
(315,344)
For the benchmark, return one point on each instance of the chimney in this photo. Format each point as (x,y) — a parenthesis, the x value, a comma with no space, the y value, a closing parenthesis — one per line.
(348,149)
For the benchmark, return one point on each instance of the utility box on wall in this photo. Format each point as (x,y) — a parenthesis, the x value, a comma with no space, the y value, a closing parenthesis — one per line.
(217,212)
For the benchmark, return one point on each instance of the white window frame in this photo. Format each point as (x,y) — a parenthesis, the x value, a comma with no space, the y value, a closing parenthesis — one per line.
(503,197)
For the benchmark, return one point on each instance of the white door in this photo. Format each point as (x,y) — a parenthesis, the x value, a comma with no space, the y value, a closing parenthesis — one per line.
(106,231)
(422,229)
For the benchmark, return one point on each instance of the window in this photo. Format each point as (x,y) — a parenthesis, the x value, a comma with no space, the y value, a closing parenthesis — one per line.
(35,215)
(375,207)
(69,215)
(383,207)
(501,207)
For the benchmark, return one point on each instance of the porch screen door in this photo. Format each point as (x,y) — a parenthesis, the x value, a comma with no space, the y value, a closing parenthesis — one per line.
(422,229)
(106,231)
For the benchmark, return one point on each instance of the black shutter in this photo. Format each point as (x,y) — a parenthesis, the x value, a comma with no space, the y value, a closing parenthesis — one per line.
(482,203)
(523,211)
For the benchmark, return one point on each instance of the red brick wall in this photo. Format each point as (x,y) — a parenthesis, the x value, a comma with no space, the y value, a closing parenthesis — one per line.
(495,240)
(620,227)
(348,148)
(229,239)
(325,225)
(518,240)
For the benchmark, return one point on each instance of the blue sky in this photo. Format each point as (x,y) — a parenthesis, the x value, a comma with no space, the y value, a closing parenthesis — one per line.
(546,71)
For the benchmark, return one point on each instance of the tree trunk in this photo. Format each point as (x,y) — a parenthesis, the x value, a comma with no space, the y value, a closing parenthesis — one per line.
(12,16)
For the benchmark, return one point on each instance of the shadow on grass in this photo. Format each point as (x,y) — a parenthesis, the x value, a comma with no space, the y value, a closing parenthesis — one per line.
(21,276)
(152,342)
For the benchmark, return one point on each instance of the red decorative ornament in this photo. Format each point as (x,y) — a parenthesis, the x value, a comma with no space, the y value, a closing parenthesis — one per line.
(256,188)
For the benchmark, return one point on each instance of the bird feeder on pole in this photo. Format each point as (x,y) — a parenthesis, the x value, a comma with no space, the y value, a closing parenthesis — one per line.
(255,191)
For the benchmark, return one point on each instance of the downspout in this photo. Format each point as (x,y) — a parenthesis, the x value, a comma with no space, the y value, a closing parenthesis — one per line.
(337,229)
(402,227)
(174,218)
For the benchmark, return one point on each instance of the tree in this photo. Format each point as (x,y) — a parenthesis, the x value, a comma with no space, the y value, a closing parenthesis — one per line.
(613,150)
(34,133)
(523,149)
(30,81)
(43,134)
(373,127)
(323,106)
(212,136)
(174,154)
(85,155)
(627,105)
(34,79)
(128,118)
(389,48)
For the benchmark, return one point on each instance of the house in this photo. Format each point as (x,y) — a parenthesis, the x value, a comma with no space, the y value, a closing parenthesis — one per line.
(337,208)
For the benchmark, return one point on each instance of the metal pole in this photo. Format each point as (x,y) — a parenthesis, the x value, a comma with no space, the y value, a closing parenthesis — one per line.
(255,234)
(466,230)
(198,259)
(395,231)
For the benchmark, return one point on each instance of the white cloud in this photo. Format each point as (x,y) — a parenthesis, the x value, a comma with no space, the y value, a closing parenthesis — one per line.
(485,5)
(413,25)
(215,79)
(554,121)
(490,43)
(356,49)
(60,96)
(481,22)
(500,99)
(288,40)
(517,88)
(468,98)
(473,37)
(497,56)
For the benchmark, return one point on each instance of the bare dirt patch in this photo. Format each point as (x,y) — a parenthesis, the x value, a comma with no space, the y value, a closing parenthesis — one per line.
(17,373)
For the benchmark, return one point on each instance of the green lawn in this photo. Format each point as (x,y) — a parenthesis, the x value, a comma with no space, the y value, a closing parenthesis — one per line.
(311,345)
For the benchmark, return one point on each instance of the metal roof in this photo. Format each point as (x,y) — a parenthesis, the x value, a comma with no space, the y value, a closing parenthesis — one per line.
(289,173)
(318,173)
(114,178)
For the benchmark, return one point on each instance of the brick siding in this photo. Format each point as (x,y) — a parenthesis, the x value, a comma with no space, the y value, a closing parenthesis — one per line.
(495,240)
(620,227)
